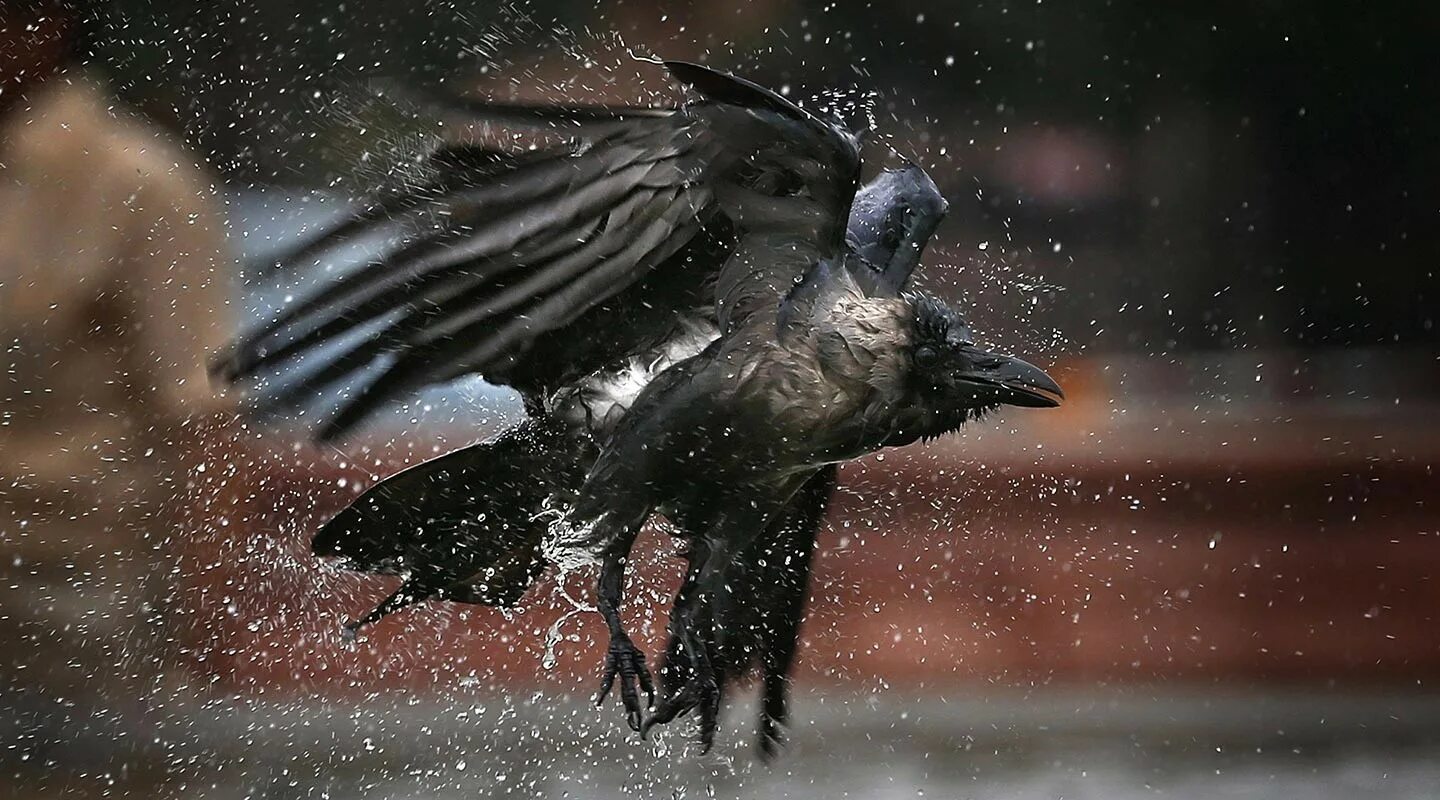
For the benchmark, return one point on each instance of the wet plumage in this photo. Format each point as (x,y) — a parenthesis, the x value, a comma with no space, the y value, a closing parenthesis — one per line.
(705,313)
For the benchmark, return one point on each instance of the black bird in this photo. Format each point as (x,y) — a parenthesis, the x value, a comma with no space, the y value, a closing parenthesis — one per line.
(711,240)
(469,526)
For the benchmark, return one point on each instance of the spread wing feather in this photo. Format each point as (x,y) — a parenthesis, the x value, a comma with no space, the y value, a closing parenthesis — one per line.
(499,251)
(440,353)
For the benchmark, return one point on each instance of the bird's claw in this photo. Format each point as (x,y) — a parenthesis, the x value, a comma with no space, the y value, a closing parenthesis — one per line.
(697,693)
(771,739)
(624,662)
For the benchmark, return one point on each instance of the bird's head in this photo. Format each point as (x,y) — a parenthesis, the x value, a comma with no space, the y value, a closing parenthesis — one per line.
(951,381)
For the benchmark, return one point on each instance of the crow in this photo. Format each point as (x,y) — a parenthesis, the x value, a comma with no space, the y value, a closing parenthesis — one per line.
(469,526)
(704,313)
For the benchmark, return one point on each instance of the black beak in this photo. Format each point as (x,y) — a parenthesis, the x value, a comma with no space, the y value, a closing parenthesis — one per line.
(1001,379)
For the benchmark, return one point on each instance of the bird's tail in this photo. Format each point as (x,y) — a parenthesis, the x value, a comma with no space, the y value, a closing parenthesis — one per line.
(467,526)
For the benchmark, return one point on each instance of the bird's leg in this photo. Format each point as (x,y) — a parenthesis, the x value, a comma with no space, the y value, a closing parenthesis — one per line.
(623,660)
(692,682)
(682,649)
(701,627)
(792,539)
(676,669)
(708,681)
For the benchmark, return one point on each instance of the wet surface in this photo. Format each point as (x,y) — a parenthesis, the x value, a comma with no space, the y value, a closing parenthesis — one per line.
(1046,744)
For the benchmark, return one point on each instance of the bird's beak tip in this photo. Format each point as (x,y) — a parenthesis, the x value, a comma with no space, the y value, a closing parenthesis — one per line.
(1036,389)
(1019,383)
(1034,396)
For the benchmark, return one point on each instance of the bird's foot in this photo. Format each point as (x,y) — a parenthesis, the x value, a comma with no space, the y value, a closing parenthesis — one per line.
(624,662)
(771,739)
(700,692)
(774,714)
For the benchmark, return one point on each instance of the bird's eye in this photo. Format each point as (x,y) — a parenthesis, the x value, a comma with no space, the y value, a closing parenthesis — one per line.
(926,357)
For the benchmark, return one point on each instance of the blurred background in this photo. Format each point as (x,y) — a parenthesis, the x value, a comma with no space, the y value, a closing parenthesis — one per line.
(1212,573)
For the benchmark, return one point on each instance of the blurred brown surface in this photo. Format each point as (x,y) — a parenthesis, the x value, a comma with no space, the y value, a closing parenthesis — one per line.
(113,292)
(1090,545)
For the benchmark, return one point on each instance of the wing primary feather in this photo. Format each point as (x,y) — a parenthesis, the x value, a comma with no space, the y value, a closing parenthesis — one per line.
(420,296)
(585,119)
(720,87)
(425,364)
(301,391)
(445,309)
(517,252)
(455,166)
(595,182)
(545,279)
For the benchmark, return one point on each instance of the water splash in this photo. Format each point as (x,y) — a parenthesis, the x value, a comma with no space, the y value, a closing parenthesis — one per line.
(554,635)
(569,543)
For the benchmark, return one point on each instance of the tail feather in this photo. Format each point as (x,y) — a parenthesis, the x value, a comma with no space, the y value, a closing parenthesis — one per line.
(400,598)
(466,526)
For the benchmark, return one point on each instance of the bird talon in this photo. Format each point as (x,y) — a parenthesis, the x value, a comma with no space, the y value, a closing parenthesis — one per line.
(709,719)
(625,664)
(698,692)
(771,739)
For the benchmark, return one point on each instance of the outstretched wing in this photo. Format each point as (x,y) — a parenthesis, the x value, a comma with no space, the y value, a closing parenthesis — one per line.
(506,250)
